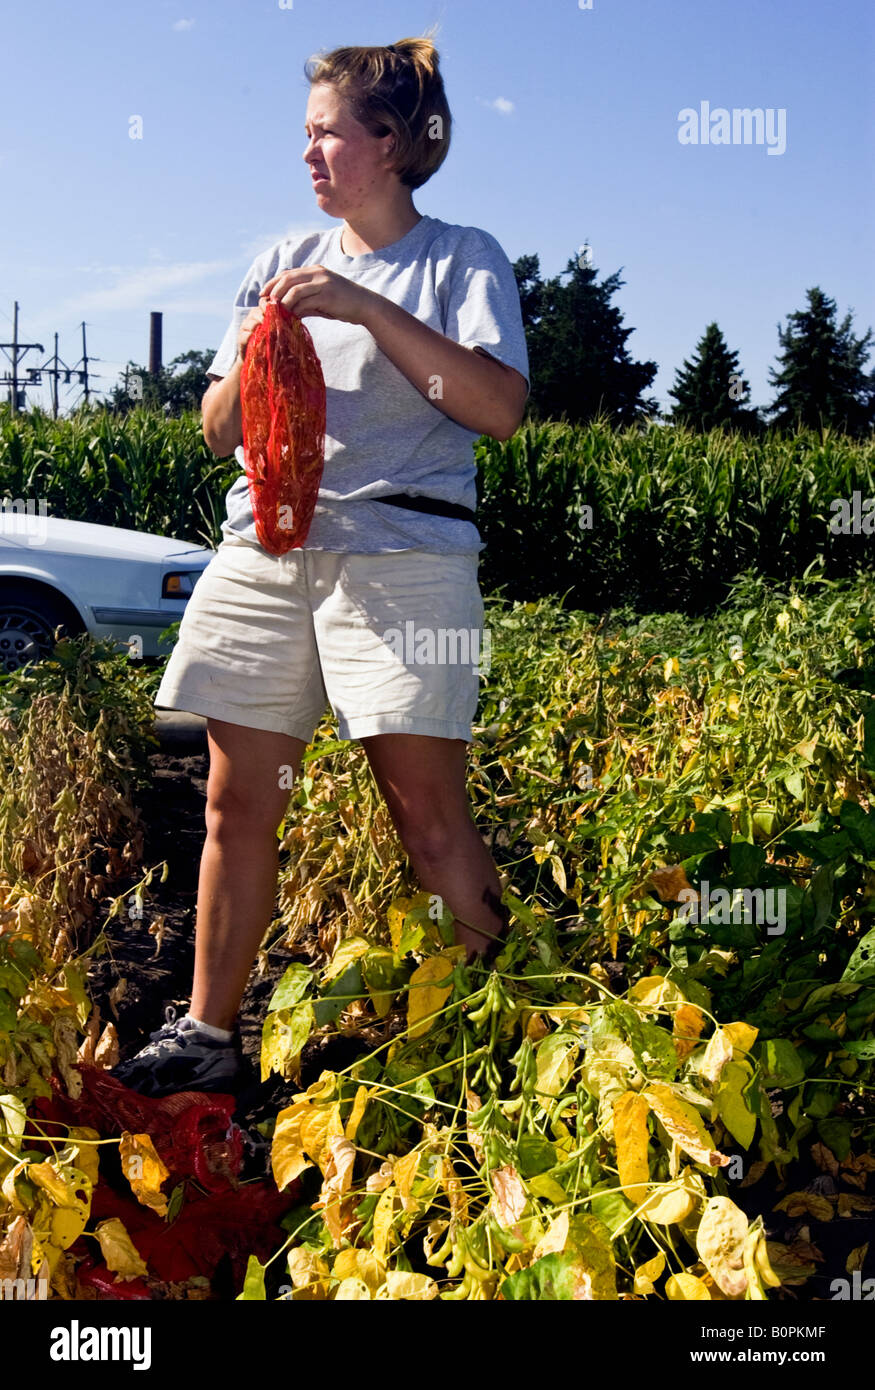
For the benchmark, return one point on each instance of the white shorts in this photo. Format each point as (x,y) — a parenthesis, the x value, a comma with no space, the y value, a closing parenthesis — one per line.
(393,642)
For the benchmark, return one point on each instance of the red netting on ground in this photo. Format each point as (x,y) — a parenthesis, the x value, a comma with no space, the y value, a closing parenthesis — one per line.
(282,400)
(192,1132)
(195,1137)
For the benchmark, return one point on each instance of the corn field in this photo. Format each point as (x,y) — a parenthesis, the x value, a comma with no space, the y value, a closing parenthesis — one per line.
(656,518)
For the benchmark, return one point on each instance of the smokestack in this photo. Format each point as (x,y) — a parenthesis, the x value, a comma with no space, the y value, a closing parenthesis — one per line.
(155,319)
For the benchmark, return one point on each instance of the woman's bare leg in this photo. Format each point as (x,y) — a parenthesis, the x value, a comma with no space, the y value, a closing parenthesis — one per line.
(239,867)
(423,781)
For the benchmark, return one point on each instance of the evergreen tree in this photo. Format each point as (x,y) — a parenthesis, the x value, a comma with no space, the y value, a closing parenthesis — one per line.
(822,381)
(579,363)
(710,390)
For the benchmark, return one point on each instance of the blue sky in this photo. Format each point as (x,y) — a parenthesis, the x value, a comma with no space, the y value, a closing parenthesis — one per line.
(565,132)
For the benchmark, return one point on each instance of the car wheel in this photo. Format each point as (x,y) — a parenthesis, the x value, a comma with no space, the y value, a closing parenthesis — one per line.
(28,620)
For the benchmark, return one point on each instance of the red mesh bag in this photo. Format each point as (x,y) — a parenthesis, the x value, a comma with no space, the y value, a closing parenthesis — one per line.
(282,400)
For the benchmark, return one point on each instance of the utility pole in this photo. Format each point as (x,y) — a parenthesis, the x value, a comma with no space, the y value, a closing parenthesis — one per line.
(85,362)
(18,350)
(54,375)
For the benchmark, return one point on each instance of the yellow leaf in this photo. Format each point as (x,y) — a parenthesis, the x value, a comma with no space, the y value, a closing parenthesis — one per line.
(319,1124)
(57,1184)
(685,1287)
(287,1159)
(398,910)
(362,1265)
(339,1164)
(430,987)
(308,1273)
(554,1239)
(647,1274)
(383,1216)
(631,1137)
(144,1170)
(856,1258)
(323,1089)
(352,1288)
(362,1096)
(717,1054)
(684,1125)
(654,992)
(668,1204)
(400,1285)
(347,952)
(687,1025)
(742,1036)
(87,1155)
(404,1171)
(68,1223)
(283,1035)
(119,1251)
(555,1058)
(720,1242)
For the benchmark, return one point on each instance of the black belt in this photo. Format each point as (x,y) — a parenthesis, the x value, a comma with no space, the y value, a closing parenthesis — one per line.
(428,504)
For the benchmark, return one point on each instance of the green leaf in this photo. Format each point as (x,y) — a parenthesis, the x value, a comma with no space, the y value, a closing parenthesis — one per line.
(611,1208)
(536,1155)
(653,1047)
(291,988)
(345,988)
(747,862)
(864,1048)
(860,825)
(550,1279)
(253,1283)
(861,966)
(8,1012)
(781,1064)
(836,1134)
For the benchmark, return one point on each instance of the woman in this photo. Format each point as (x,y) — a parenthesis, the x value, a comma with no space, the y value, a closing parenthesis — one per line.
(418,328)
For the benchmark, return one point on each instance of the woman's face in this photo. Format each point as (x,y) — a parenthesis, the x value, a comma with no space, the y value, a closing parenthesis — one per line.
(350,168)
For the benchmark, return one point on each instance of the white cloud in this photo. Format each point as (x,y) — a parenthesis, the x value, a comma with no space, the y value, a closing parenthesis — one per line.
(504,106)
(500,104)
(144,287)
(182,24)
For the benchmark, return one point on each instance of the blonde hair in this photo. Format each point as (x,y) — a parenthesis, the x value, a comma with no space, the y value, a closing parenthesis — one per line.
(397,90)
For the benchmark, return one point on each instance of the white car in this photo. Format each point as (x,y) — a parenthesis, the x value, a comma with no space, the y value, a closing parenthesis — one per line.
(118,585)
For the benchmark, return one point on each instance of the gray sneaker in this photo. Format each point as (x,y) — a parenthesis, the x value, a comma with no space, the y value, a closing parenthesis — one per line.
(181,1057)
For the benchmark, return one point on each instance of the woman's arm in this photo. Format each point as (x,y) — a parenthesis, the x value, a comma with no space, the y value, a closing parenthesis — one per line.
(467,384)
(220,408)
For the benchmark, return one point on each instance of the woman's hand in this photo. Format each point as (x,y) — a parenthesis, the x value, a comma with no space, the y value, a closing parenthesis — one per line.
(247,328)
(313,291)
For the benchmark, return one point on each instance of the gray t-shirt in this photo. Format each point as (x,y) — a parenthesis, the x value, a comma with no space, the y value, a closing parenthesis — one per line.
(382,435)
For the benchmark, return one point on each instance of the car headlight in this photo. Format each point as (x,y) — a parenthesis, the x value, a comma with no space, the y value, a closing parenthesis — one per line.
(180,584)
